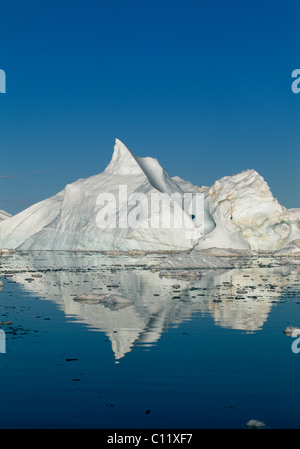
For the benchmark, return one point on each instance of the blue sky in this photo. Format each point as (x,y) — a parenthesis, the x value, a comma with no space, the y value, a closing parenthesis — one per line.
(204,86)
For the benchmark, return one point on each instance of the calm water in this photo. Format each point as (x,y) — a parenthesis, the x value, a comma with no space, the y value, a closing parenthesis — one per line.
(208,353)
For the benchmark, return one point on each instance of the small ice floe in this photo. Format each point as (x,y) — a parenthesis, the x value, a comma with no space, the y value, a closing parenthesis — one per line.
(181,274)
(291,331)
(137,253)
(6,252)
(1,285)
(255,424)
(112,301)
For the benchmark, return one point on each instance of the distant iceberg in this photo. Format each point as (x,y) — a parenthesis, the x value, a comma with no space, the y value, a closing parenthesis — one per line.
(237,212)
(4,215)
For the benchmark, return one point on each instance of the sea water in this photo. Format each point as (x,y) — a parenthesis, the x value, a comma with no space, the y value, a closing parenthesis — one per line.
(204,352)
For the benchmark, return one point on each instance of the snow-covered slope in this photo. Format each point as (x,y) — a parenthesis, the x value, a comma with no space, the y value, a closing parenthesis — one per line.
(238,211)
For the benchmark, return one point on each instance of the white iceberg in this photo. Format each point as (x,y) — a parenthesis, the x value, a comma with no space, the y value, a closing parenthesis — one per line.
(237,212)
(247,216)
(255,424)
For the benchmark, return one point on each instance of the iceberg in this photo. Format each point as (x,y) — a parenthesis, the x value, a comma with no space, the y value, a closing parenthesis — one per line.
(247,216)
(135,205)
(70,220)
(4,215)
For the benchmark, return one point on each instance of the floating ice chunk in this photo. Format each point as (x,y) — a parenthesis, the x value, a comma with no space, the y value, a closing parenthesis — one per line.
(291,331)
(255,424)
(6,251)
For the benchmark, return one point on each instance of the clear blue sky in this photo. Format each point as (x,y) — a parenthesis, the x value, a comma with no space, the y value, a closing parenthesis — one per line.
(204,86)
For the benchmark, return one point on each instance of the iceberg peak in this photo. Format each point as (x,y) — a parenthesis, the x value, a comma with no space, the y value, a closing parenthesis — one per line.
(123,161)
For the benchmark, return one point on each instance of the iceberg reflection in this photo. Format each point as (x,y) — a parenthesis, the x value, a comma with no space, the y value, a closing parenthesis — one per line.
(151,303)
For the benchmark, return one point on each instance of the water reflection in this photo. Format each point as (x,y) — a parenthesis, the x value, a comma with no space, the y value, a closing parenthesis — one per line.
(237,299)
